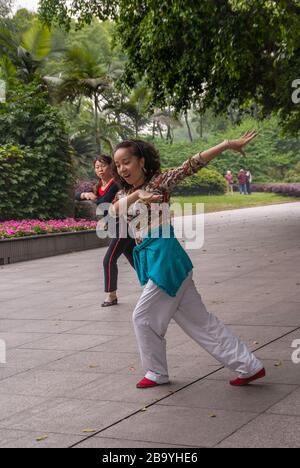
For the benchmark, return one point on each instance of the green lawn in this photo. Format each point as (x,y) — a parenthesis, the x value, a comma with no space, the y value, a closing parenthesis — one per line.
(230,202)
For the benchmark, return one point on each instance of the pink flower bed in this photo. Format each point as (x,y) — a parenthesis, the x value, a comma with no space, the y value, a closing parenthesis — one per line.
(13,229)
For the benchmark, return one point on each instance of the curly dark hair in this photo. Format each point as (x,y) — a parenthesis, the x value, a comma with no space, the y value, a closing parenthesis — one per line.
(104,159)
(140,149)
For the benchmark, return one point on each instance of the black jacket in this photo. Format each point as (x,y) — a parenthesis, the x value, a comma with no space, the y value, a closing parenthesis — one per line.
(108,197)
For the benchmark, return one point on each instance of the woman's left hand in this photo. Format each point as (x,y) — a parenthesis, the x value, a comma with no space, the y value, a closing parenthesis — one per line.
(149,197)
(238,145)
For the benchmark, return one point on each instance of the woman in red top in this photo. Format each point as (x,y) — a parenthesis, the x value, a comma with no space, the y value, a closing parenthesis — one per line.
(104,192)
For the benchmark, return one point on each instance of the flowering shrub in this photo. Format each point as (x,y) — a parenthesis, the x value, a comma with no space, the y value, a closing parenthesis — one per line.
(85,185)
(13,229)
(284,189)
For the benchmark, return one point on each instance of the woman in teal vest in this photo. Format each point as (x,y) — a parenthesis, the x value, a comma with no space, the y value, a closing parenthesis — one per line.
(165,269)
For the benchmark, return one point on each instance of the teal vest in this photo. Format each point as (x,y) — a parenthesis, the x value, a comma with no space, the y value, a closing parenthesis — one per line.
(163,260)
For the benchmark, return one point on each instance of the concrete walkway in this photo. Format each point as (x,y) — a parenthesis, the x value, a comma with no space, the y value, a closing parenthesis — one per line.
(72,367)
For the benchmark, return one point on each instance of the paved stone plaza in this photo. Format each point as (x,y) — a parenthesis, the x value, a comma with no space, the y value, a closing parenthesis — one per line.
(72,367)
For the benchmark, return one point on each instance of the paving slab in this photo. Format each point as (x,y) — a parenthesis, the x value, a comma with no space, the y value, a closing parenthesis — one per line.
(69,416)
(266,431)
(26,439)
(289,405)
(103,442)
(183,426)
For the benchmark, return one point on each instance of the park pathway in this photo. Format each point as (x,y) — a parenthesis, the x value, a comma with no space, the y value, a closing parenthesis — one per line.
(71,369)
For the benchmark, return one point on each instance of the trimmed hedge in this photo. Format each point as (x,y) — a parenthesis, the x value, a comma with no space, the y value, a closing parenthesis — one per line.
(204,182)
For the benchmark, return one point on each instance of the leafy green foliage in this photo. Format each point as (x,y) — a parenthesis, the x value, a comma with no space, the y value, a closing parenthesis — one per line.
(35,159)
(206,52)
(270,157)
(5,8)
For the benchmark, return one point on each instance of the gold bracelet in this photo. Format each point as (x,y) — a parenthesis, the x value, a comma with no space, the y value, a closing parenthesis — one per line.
(228,143)
(199,159)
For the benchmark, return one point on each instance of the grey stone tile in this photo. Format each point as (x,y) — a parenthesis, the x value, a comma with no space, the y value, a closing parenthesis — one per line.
(219,395)
(94,362)
(289,405)
(70,416)
(45,383)
(14,339)
(104,328)
(26,439)
(126,344)
(68,342)
(180,426)
(42,326)
(102,442)
(266,431)
(6,371)
(95,313)
(278,350)
(285,314)
(107,388)
(13,404)
(24,359)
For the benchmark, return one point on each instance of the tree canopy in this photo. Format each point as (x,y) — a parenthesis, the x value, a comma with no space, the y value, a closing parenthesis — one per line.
(5,7)
(207,52)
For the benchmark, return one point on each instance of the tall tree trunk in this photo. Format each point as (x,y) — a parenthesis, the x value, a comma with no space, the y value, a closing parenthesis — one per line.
(153,129)
(188,126)
(201,125)
(160,131)
(97,133)
(169,135)
(136,129)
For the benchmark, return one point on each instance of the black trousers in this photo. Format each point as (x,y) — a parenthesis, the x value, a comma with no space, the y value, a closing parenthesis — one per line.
(116,248)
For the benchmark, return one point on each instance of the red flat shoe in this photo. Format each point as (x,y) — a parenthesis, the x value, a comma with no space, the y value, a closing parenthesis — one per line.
(147,383)
(242,382)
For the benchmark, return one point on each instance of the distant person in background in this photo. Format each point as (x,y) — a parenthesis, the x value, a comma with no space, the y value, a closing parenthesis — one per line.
(229,180)
(242,178)
(249,182)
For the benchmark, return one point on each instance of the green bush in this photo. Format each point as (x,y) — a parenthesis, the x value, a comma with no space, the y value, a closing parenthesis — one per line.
(30,187)
(35,158)
(293,175)
(204,182)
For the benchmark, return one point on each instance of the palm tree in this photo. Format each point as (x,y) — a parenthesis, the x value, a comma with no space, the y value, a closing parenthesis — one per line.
(83,76)
(132,111)
(27,52)
(168,119)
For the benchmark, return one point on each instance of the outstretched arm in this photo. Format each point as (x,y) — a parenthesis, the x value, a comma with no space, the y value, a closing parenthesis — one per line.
(235,145)
(170,179)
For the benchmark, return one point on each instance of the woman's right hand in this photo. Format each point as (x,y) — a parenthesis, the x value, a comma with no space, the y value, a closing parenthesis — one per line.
(89,196)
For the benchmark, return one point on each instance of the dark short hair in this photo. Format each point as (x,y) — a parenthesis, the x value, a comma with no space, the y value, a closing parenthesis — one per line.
(140,149)
(103,158)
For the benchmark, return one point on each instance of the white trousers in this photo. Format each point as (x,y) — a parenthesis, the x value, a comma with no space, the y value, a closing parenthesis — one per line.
(151,318)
